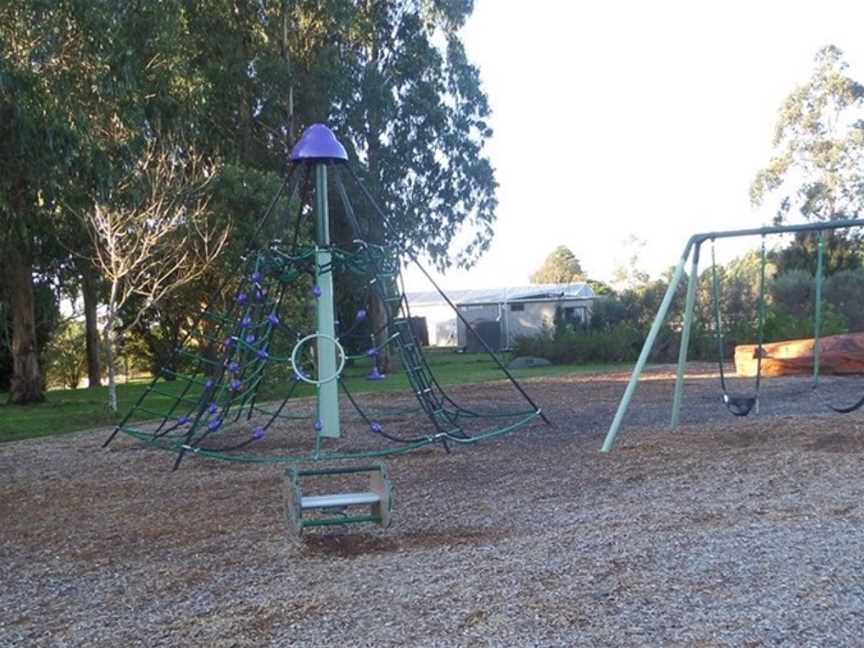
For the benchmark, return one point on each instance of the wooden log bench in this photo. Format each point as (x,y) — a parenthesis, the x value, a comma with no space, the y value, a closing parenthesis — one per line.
(838,354)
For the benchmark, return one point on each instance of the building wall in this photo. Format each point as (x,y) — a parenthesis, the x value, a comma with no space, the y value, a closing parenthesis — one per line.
(440,323)
(521,319)
(476,313)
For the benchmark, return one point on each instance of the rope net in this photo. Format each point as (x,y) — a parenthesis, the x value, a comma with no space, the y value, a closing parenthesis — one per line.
(246,386)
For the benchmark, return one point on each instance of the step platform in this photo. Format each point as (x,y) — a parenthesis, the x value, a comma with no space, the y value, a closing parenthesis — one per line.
(374,503)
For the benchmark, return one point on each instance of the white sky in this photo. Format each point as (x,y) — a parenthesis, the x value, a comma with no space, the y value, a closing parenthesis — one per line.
(629,117)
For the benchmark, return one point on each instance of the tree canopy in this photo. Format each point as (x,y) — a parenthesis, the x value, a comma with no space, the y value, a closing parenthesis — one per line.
(561,266)
(87,87)
(819,141)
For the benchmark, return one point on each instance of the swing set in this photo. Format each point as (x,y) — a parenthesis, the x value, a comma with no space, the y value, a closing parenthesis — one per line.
(737,404)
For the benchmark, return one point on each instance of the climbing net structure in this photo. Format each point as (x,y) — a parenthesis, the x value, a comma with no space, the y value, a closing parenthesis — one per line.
(272,376)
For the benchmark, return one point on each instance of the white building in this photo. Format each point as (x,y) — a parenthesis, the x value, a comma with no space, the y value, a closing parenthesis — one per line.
(500,314)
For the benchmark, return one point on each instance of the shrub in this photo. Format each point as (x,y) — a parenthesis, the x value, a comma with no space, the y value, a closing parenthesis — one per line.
(620,344)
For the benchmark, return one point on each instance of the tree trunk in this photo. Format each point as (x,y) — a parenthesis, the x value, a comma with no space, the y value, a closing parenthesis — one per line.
(26,384)
(377,308)
(91,325)
(110,339)
(378,317)
(286,57)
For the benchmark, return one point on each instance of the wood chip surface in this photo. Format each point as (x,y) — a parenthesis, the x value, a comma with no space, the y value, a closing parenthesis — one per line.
(729,531)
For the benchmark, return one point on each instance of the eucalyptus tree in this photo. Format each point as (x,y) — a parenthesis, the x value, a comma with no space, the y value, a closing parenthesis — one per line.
(817,170)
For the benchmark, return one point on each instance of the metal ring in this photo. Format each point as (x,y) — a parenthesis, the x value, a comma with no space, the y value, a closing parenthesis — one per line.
(295,364)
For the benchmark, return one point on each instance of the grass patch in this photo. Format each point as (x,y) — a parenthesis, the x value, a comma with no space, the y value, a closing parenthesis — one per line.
(70,410)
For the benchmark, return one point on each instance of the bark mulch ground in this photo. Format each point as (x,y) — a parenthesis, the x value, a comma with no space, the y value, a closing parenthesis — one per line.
(729,531)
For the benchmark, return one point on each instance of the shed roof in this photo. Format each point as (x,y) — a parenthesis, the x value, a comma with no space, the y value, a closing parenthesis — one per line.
(535,292)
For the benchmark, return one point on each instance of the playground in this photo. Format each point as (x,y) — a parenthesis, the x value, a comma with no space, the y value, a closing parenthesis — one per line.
(729,530)
(285,247)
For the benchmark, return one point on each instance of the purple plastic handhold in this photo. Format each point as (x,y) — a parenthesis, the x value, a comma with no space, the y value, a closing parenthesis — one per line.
(318,426)
(212,408)
(258,433)
(241,298)
(183,420)
(273,318)
(375,374)
(375,426)
(318,143)
(214,425)
(372,352)
(250,338)
(262,354)
(233,367)
(245,322)
(361,314)
(236,384)
(316,292)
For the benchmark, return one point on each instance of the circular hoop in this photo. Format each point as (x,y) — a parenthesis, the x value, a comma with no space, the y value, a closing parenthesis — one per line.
(318,382)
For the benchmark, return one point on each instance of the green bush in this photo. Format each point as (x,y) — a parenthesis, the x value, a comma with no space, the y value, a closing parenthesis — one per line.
(621,343)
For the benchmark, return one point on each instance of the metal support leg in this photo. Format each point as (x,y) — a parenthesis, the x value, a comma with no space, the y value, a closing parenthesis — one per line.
(685,337)
(646,350)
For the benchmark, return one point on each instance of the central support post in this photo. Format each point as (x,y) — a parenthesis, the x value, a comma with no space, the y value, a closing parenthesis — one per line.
(328,392)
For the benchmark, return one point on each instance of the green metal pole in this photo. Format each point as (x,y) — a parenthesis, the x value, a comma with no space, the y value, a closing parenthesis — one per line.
(692,284)
(328,393)
(817,321)
(646,350)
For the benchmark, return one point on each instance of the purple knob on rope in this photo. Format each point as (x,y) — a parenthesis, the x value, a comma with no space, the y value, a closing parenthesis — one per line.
(233,367)
(212,408)
(262,354)
(316,291)
(241,298)
(255,277)
(214,425)
(361,314)
(318,426)
(235,384)
(183,420)
(245,322)
(273,318)
(258,434)
(250,338)
(372,352)
(375,426)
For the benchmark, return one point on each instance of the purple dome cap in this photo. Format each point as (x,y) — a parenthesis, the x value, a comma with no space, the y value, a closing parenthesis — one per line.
(318,143)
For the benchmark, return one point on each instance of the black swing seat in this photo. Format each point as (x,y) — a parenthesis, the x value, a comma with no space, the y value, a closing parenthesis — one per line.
(848,409)
(740,405)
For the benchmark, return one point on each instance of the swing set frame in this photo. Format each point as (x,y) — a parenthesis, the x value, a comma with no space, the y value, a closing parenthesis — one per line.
(691,253)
